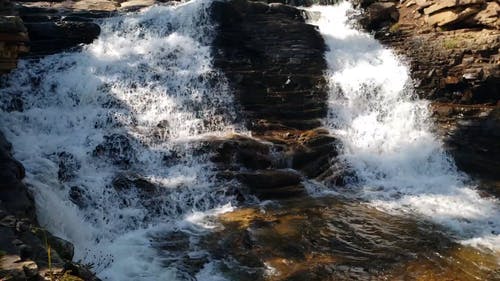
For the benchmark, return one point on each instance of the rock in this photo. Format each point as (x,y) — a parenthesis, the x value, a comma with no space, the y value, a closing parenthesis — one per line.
(448,18)
(11,269)
(278,74)
(473,74)
(30,269)
(117,148)
(363,3)
(263,179)
(380,13)
(314,153)
(272,184)
(25,252)
(124,182)
(68,166)
(78,196)
(15,104)
(444,4)
(423,3)
(488,17)
(64,248)
(162,131)
(52,37)
(241,151)
(13,40)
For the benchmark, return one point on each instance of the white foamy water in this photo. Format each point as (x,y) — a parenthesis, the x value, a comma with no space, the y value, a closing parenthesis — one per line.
(386,133)
(147,91)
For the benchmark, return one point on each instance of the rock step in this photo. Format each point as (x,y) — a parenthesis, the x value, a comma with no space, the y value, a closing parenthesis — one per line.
(272,184)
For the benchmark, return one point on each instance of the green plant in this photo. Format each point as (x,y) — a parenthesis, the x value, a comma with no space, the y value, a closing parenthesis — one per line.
(395,28)
(451,43)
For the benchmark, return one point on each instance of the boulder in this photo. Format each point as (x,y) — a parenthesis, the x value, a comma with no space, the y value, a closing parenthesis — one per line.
(78,196)
(380,14)
(117,148)
(128,181)
(68,166)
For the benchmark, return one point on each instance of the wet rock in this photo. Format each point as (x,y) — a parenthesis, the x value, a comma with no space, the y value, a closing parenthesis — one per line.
(52,37)
(269,178)
(25,252)
(314,152)
(68,166)
(14,195)
(124,182)
(15,104)
(273,184)
(242,151)
(162,131)
(172,158)
(117,148)
(30,269)
(64,248)
(471,136)
(277,74)
(78,196)
(380,14)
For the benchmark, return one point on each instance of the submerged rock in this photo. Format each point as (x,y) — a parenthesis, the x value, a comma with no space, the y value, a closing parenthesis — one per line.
(331,239)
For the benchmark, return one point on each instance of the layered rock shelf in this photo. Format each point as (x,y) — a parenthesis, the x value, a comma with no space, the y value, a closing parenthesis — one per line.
(13,36)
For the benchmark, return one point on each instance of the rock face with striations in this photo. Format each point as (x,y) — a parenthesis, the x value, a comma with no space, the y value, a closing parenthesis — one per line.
(274,60)
(274,63)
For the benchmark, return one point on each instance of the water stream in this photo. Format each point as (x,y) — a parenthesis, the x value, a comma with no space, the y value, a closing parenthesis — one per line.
(111,135)
(387,137)
(126,111)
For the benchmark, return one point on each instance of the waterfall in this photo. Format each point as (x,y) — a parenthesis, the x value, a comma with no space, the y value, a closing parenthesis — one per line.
(387,138)
(126,111)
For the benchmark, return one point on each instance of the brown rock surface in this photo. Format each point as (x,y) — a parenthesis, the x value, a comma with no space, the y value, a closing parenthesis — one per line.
(13,36)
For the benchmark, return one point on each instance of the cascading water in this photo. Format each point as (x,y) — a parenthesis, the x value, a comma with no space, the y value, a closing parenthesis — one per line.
(125,111)
(387,139)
